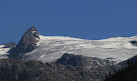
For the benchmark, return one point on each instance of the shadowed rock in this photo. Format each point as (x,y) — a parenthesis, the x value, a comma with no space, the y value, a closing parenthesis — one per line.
(128,61)
(133,43)
(26,44)
(83,61)
(18,70)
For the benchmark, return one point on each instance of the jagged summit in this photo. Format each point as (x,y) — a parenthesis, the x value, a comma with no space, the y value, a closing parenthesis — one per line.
(33,28)
(32,33)
(26,44)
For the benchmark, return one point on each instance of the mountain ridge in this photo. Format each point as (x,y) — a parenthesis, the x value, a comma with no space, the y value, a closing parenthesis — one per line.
(34,46)
(26,44)
(83,60)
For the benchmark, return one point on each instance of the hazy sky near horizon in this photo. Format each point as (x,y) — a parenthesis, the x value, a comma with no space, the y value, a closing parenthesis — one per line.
(87,19)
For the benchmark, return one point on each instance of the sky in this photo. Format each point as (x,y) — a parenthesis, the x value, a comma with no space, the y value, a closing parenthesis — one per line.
(86,19)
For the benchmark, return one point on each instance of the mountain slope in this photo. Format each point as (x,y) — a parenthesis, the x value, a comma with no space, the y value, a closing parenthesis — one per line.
(33,46)
(18,70)
(128,73)
(26,44)
(83,61)
(50,48)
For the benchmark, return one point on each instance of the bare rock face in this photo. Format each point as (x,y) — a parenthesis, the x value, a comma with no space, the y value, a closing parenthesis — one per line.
(83,61)
(133,42)
(26,44)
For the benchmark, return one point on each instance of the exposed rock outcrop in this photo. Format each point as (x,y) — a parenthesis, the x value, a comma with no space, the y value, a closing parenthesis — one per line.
(83,61)
(133,42)
(26,44)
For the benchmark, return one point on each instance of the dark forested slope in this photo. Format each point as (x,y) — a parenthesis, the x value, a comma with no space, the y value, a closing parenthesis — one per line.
(128,73)
(18,70)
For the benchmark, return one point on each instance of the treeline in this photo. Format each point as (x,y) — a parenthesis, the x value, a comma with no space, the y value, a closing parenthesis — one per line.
(128,73)
(18,70)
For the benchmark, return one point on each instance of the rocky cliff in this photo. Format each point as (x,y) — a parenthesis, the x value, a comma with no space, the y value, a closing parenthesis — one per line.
(26,44)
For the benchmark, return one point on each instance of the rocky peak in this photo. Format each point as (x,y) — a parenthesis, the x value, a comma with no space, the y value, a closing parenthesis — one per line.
(31,33)
(33,28)
(26,44)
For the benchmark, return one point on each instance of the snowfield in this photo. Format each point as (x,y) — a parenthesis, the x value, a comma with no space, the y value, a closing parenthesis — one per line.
(50,48)
(3,51)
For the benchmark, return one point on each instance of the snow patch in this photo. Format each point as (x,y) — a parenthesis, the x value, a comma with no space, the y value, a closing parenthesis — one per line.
(3,50)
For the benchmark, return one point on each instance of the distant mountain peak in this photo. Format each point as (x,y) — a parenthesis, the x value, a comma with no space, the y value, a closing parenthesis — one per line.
(32,33)
(26,44)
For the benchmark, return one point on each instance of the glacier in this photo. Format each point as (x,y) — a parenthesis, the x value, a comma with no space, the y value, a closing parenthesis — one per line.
(51,48)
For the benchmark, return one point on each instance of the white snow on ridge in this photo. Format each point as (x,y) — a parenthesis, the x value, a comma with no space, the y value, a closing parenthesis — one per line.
(51,48)
(3,50)
(57,38)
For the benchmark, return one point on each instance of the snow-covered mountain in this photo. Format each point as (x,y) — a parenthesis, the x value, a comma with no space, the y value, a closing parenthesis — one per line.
(33,46)
(91,59)
(50,48)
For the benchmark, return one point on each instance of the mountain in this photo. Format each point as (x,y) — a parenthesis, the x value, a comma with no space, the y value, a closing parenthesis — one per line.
(58,58)
(128,73)
(26,44)
(32,70)
(83,61)
(33,46)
